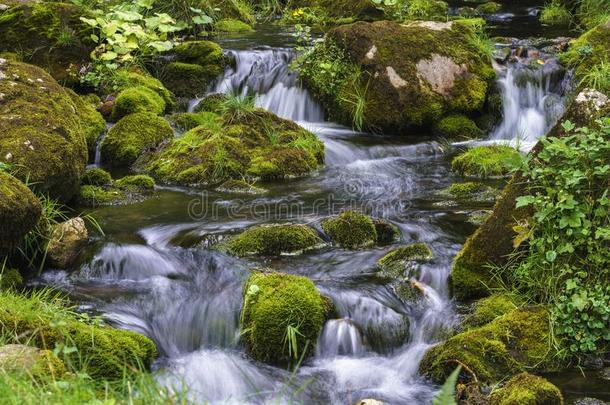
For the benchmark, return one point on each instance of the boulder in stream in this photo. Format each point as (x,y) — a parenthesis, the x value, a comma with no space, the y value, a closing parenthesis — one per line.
(66,241)
(351,230)
(20,211)
(274,240)
(527,389)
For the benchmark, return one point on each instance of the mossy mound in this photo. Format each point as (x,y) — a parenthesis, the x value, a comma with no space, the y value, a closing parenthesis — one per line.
(240,187)
(232,25)
(255,145)
(274,240)
(194,64)
(20,211)
(10,279)
(445,72)
(490,7)
(105,352)
(186,121)
(457,127)
(514,341)
(397,263)
(340,10)
(137,99)
(96,177)
(274,303)
(472,192)
(127,190)
(487,309)
(129,78)
(132,136)
(527,389)
(92,122)
(351,230)
(31,361)
(138,182)
(41,135)
(555,13)
(51,34)
(487,161)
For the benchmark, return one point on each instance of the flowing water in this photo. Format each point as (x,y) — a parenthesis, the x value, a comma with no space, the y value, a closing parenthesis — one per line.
(156,271)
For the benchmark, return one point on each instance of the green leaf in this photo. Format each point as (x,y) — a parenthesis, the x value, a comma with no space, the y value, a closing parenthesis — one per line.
(446,396)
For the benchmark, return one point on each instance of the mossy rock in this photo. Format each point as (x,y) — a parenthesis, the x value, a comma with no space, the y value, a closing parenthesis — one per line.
(272,303)
(20,211)
(10,279)
(506,346)
(458,127)
(126,190)
(138,183)
(212,103)
(52,36)
(41,135)
(555,13)
(204,53)
(30,361)
(187,121)
(387,232)
(487,309)
(132,136)
(137,99)
(96,177)
(400,262)
(107,353)
(341,10)
(92,122)
(257,145)
(351,230)
(527,389)
(274,240)
(240,187)
(487,161)
(125,79)
(472,192)
(443,73)
(232,25)
(237,10)
(490,7)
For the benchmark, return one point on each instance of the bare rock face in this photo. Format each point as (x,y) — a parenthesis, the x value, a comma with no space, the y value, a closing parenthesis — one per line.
(67,240)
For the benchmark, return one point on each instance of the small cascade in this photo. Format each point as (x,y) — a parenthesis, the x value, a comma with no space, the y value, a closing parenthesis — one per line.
(266,75)
(340,337)
(532,92)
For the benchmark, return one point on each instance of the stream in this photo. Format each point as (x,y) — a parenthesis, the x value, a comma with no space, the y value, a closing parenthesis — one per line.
(156,272)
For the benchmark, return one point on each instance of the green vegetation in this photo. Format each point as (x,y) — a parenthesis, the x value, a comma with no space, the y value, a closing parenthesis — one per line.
(395,262)
(527,389)
(96,177)
(137,99)
(487,161)
(598,78)
(281,318)
(490,7)
(487,309)
(592,13)
(555,13)
(273,240)
(458,127)
(10,279)
(232,25)
(126,190)
(351,230)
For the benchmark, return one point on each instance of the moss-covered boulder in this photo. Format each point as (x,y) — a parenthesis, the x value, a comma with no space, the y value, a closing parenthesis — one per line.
(30,361)
(351,230)
(41,135)
(396,76)
(104,352)
(489,7)
(20,211)
(415,252)
(51,34)
(457,127)
(186,121)
(492,243)
(278,307)
(487,161)
(134,78)
(194,64)
(527,389)
(96,177)
(506,346)
(126,190)
(10,279)
(255,144)
(132,136)
(471,192)
(92,122)
(487,309)
(273,240)
(137,99)
(232,25)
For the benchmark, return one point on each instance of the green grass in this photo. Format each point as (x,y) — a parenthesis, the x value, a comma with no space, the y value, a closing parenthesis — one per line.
(235,108)
(487,161)
(591,13)
(354,97)
(555,13)
(598,78)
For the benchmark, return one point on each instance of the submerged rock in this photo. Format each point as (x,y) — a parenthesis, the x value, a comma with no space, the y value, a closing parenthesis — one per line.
(351,230)
(20,211)
(387,232)
(394,263)
(240,187)
(41,135)
(274,240)
(30,361)
(66,241)
(376,81)
(527,389)
(278,307)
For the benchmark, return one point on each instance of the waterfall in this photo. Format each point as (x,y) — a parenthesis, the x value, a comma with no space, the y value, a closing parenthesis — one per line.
(266,75)
(340,337)
(532,92)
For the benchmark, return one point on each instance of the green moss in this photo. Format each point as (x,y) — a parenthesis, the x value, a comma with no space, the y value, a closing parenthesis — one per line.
(103,352)
(96,177)
(128,78)
(212,103)
(31,361)
(139,183)
(92,122)
(273,240)
(488,309)
(351,230)
(137,99)
(186,79)
(387,232)
(341,11)
(41,136)
(10,279)
(487,161)
(527,389)
(465,190)
(231,25)
(412,252)
(458,127)
(272,303)
(236,9)
(555,13)
(94,196)
(188,121)
(240,187)
(20,211)
(202,53)
(132,136)
(490,7)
